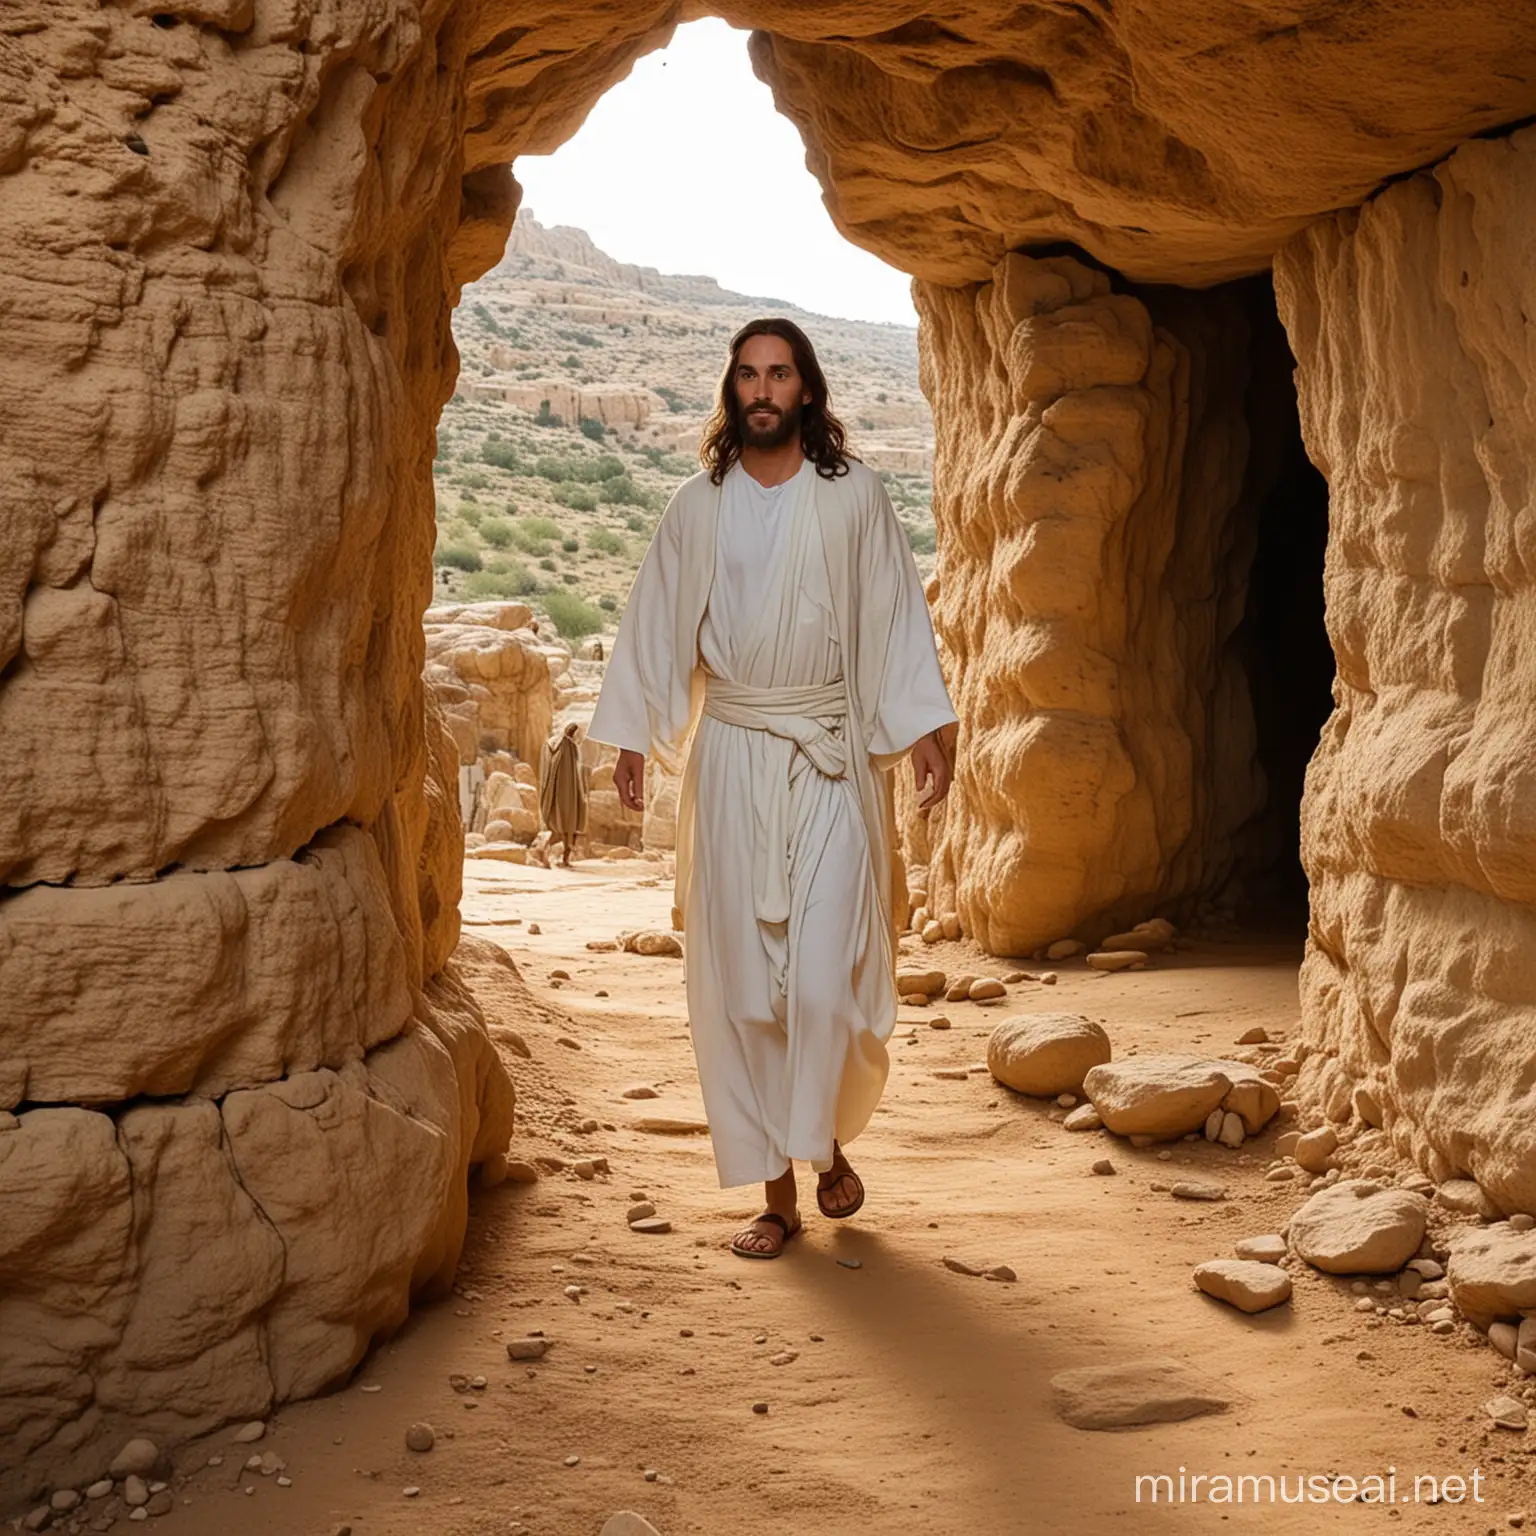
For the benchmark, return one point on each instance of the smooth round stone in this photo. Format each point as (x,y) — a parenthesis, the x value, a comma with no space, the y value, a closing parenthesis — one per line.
(651,1224)
(420,1437)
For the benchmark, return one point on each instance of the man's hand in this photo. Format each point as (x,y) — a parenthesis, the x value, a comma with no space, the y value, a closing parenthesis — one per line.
(629,779)
(930,766)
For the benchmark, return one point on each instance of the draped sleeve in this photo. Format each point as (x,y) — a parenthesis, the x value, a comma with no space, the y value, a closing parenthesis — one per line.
(906,697)
(647,702)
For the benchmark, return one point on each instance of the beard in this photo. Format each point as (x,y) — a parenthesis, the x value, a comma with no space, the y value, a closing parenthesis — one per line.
(785,428)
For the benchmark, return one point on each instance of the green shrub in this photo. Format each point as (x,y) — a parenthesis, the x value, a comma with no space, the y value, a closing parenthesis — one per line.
(923,540)
(570,546)
(460,556)
(488,319)
(547,564)
(675,402)
(467,495)
(621,491)
(502,455)
(439,468)
(469,514)
(605,541)
(570,578)
(444,443)
(514,581)
(593,429)
(546,417)
(473,479)
(555,467)
(573,615)
(541,528)
(608,604)
(497,532)
(579,498)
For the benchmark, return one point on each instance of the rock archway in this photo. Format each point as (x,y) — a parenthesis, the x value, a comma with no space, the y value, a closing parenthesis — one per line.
(233,232)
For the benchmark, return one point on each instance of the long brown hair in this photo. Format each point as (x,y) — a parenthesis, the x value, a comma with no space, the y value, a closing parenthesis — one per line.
(823,438)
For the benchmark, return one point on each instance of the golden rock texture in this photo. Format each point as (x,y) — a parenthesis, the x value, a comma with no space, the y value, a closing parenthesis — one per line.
(1090,465)
(1419,823)
(232,233)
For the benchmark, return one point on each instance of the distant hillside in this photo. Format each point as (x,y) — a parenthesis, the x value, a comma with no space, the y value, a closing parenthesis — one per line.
(584,383)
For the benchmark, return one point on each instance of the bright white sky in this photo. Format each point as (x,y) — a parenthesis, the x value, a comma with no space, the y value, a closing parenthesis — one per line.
(644,177)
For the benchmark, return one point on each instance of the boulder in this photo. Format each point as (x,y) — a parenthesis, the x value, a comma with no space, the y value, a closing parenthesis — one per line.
(1161,1096)
(1246,1284)
(1356,1227)
(1492,1273)
(1044,1054)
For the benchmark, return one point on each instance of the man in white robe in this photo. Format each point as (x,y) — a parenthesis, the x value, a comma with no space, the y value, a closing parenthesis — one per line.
(778,623)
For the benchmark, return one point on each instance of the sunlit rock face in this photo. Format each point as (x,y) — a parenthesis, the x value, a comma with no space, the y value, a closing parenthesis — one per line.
(1091,490)
(1419,834)
(232,233)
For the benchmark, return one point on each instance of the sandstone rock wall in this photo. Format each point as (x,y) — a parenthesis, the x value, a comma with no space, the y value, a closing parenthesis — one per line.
(1091,492)
(1419,836)
(240,1093)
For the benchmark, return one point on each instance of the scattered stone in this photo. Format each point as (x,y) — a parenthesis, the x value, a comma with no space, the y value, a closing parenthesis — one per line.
(1314,1151)
(952,1074)
(851,1263)
(1507,1412)
(1084,1118)
(584,1168)
(567,1042)
(1280,1175)
(135,1492)
(249,1434)
(1000,1272)
(1267,1249)
(1160,1096)
(784,1357)
(987,989)
(1194,1189)
(1067,1100)
(39,1519)
(573,1461)
(959,989)
(924,984)
(534,929)
(1492,1273)
(668,1125)
(932,931)
(138,1456)
(960,1267)
(1013,978)
(1118,960)
(656,943)
(1044,1054)
(64,1500)
(1355,1227)
(527,1349)
(640,1212)
(1505,1337)
(1104,1166)
(1244,1284)
(1048,978)
(1258,1035)
(1465,1197)
(1064,949)
(99,1490)
(759,1407)
(1525,1346)
(602,946)
(410,1491)
(420,1437)
(1213,1123)
(1522,1221)
(1231,1134)
(1158,1391)
(652,1225)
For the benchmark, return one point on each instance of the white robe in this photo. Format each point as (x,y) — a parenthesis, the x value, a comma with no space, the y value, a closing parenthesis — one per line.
(783,843)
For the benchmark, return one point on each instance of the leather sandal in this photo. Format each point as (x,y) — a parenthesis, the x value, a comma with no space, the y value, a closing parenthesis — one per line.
(829,1181)
(773,1219)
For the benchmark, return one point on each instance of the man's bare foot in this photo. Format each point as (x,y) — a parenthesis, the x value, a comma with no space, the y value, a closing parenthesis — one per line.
(766,1236)
(839,1191)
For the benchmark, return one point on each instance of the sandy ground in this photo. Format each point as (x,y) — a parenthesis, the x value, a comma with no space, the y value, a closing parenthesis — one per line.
(917,1399)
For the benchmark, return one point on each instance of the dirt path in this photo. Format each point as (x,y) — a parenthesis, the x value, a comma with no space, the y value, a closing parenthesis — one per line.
(917,1399)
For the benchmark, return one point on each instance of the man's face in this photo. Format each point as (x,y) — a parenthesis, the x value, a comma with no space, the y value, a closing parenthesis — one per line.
(769,392)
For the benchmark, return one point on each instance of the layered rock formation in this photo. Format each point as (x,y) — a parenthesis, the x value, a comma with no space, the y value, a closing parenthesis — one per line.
(246,1083)
(241,1090)
(1419,986)
(1092,488)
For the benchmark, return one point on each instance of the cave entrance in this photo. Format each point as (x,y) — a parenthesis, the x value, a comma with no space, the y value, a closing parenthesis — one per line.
(1281,639)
